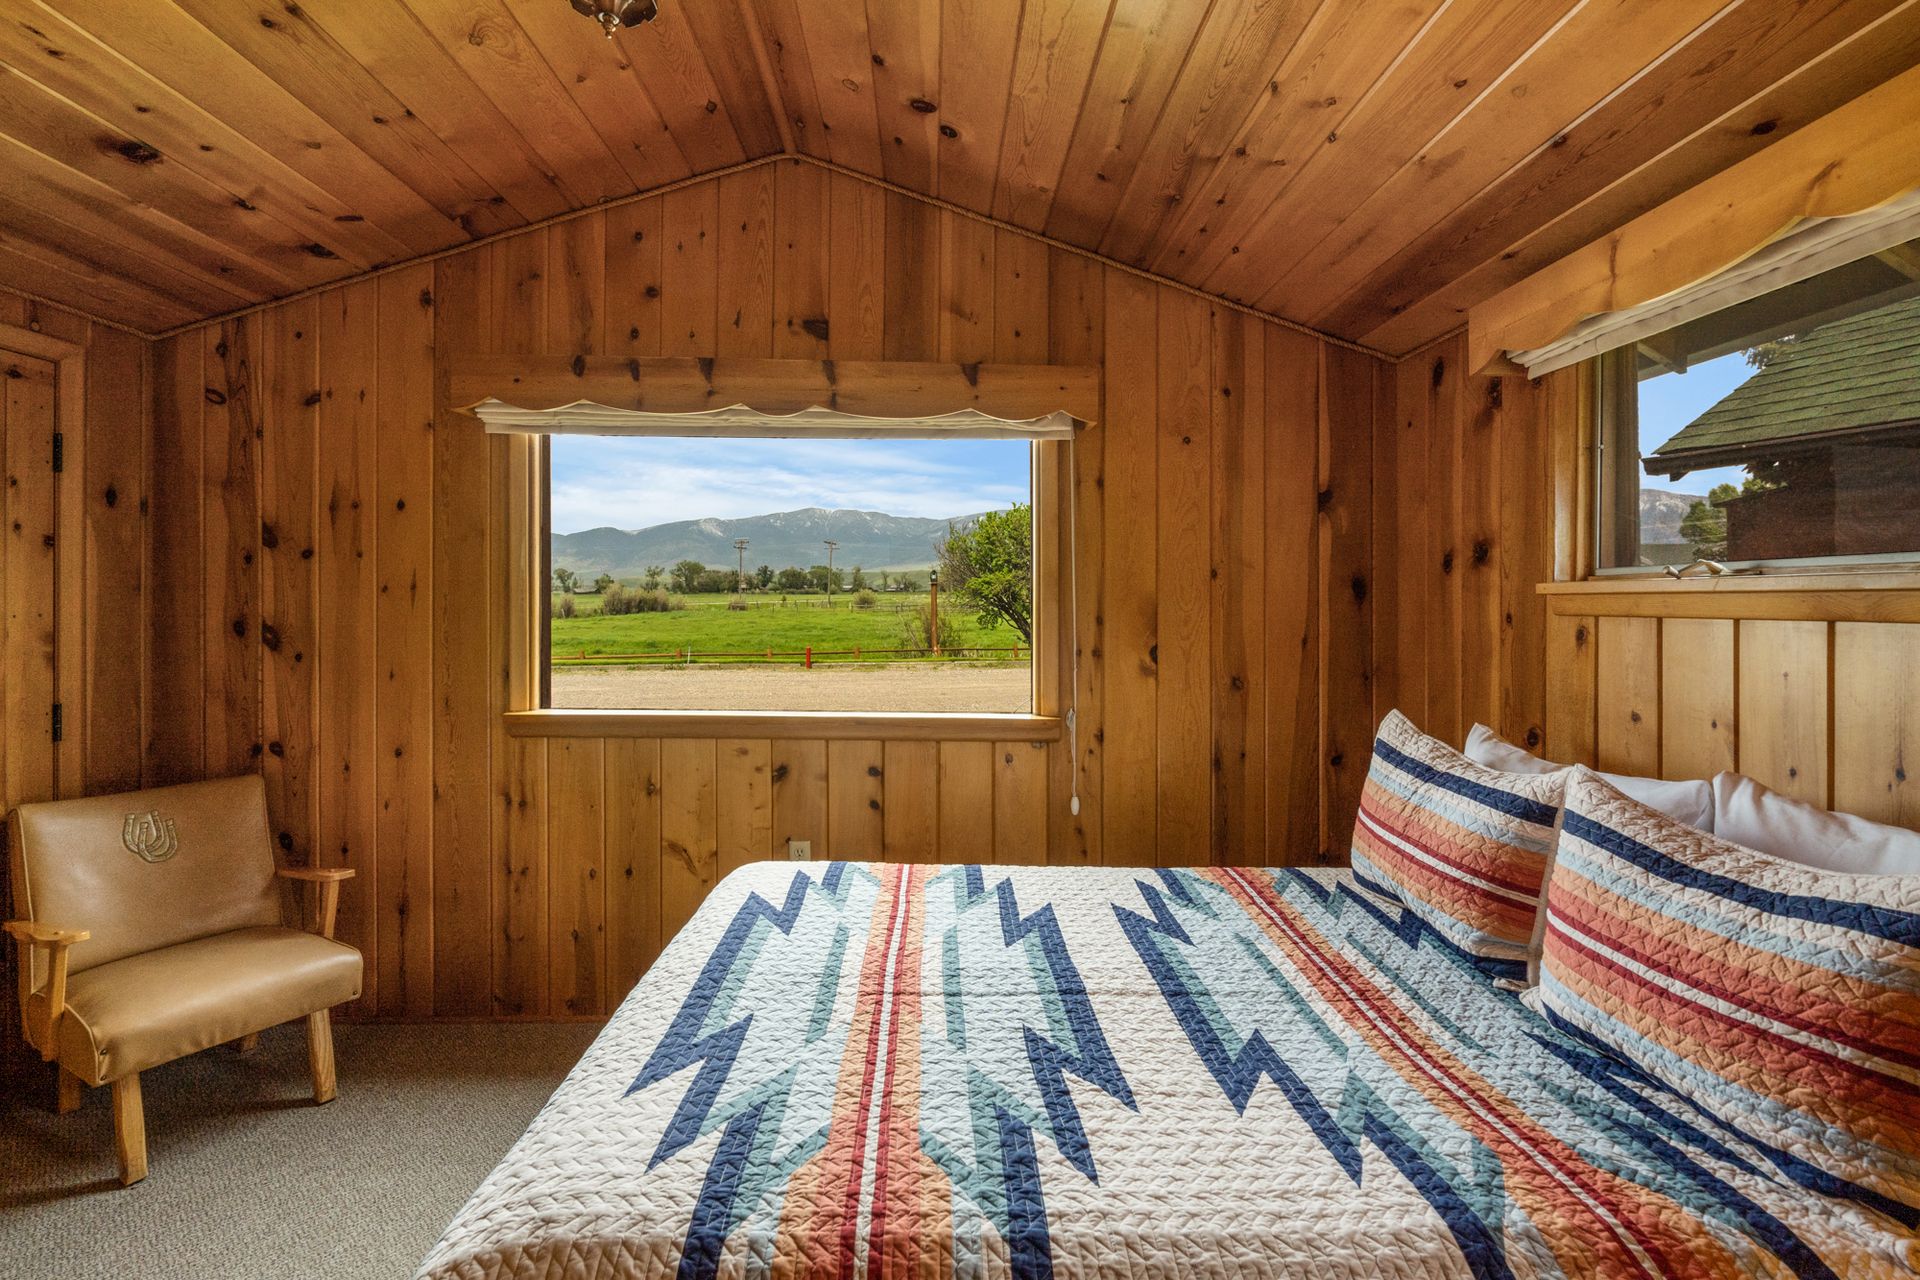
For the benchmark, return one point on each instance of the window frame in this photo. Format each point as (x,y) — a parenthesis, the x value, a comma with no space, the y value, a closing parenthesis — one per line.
(1051,473)
(1610,383)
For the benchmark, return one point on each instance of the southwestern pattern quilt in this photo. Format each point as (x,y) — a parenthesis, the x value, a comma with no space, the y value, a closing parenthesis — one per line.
(853,1069)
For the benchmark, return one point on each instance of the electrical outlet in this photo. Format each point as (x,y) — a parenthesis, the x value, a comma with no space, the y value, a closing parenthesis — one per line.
(800,850)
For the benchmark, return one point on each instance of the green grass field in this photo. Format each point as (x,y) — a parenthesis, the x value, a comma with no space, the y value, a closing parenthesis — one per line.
(707,625)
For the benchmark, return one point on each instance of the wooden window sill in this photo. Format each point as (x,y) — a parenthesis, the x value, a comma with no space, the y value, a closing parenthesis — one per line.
(1878,578)
(871,725)
(1879,596)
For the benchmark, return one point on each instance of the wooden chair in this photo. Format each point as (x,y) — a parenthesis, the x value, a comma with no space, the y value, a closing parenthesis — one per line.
(154,925)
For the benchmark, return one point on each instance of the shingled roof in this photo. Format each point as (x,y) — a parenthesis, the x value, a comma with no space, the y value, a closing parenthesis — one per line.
(1852,375)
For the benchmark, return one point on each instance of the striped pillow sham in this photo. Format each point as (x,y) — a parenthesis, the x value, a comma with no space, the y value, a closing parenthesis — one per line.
(1782,999)
(1462,846)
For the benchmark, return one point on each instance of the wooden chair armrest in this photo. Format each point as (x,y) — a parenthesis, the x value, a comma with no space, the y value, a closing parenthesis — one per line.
(326,884)
(45,935)
(30,934)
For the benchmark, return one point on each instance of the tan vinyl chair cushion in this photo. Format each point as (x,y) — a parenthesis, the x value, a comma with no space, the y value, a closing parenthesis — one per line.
(148,1009)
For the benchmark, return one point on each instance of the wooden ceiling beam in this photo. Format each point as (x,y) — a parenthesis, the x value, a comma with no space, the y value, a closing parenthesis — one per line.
(688,384)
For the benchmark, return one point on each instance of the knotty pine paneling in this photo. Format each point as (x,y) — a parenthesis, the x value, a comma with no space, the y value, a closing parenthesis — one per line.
(1227,520)
(1464,530)
(1820,709)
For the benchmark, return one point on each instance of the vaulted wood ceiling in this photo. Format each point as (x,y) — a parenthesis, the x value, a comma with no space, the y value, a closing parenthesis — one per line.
(1367,167)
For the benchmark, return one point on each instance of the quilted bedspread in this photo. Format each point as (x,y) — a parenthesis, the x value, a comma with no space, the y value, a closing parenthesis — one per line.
(847,1069)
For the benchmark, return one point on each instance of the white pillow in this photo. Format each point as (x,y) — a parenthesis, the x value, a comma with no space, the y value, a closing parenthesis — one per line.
(1688,802)
(1757,817)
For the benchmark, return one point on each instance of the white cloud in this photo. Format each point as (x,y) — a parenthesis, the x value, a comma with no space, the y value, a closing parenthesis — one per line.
(631,484)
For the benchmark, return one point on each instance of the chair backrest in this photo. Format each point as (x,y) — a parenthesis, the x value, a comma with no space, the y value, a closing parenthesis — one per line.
(146,869)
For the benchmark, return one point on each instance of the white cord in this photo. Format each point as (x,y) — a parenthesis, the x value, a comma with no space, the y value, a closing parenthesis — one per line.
(1073,601)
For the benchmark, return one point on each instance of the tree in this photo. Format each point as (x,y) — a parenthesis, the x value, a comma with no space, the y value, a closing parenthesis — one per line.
(601,583)
(764,576)
(686,576)
(792,579)
(564,580)
(1767,352)
(653,576)
(818,577)
(990,567)
(1705,524)
(859,578)
(886,580)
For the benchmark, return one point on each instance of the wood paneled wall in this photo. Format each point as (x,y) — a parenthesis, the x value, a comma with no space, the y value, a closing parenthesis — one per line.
(331,553)
(1810,694)
(1473,485)
(1480,494)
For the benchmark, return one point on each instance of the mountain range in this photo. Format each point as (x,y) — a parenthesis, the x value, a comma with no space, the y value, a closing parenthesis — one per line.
(871,539)
(1661,511)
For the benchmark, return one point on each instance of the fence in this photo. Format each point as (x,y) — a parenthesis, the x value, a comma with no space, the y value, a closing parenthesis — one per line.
(808,657)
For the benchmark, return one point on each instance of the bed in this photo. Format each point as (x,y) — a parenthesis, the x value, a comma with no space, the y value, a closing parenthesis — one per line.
(862,1069)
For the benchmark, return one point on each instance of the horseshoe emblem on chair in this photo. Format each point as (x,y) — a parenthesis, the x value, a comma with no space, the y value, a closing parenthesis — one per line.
(149,836)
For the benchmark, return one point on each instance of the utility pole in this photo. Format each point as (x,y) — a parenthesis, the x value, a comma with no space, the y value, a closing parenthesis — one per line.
(831,547)
(933,610)
(740,572)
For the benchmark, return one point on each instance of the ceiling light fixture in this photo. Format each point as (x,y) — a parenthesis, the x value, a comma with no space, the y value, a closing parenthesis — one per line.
(615,14)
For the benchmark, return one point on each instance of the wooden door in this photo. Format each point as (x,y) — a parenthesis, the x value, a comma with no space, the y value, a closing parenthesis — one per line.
(27,581)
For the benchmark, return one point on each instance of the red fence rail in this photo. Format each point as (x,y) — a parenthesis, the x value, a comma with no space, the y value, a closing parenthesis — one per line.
(805,657)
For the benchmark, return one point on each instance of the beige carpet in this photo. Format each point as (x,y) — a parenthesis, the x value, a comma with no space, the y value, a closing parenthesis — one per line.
(249,1179)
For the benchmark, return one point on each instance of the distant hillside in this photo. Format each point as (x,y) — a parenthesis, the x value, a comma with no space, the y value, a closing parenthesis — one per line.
(871,539)
(1661,511)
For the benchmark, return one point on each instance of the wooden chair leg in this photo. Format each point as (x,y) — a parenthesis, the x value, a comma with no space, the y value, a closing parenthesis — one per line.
(72,1089)
(320,1055)
(129,1129)
(248,1043)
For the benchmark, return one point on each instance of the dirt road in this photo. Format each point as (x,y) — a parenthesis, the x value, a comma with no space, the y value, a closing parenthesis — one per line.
(837,688)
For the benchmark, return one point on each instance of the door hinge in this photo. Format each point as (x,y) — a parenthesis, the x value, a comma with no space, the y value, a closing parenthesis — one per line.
(59,718)
(59,452)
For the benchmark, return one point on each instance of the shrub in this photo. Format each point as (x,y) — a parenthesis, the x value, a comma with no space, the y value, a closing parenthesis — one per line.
(564,609)
(916,633)
(865,600)
(737,605)
(624,600)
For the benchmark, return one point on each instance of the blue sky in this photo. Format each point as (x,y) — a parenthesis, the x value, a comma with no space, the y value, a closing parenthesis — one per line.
(1672,400)
(635,483)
